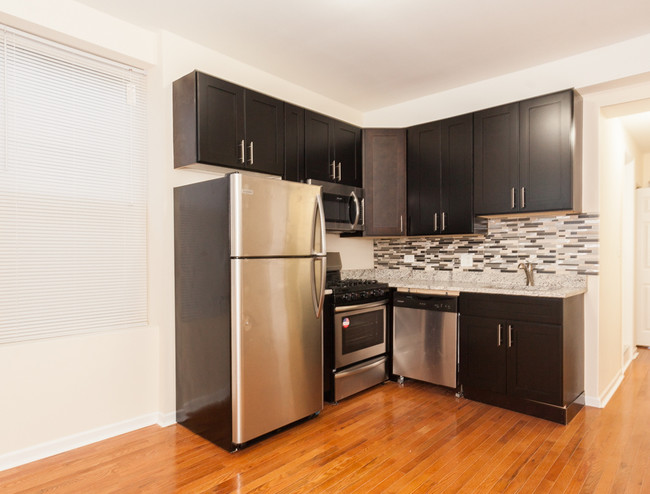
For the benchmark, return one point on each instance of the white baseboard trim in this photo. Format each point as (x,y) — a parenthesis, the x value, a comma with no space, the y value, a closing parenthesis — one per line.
(603,399)
(50,448)
(166,419)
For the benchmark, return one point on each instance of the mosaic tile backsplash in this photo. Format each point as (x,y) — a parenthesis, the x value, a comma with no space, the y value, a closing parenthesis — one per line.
(565,244)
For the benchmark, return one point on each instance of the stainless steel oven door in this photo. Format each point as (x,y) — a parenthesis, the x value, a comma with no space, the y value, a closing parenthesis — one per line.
(359,332)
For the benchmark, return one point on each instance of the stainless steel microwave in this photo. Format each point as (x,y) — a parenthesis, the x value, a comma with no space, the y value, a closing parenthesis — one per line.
(343,207)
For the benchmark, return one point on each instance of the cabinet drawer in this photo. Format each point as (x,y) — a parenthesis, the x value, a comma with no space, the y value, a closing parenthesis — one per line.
(521,308)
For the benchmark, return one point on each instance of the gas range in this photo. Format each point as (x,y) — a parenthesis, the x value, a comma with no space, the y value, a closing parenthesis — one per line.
(355,291)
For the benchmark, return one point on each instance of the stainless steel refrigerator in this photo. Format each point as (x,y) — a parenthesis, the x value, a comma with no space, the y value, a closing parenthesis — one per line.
(250,279)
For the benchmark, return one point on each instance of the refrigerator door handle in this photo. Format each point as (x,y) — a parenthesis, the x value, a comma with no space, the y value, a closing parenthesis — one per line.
(319,217)
(317,299)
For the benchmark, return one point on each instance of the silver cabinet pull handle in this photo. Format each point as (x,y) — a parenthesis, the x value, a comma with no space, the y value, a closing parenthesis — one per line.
(509,335)
(523,197)
(339,171)
(242,150)
(444,223)
(499,327)
(250,152)
(333,170)
(435,222)
(401,223)
(512,198)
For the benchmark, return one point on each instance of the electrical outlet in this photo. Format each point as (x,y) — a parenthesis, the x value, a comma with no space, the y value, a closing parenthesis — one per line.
(409,258)
(466,260)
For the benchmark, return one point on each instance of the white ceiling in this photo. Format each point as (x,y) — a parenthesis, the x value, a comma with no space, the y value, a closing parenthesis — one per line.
(369,54)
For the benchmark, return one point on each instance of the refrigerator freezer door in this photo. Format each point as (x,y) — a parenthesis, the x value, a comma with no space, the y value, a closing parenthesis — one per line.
(276,344)
(274,218)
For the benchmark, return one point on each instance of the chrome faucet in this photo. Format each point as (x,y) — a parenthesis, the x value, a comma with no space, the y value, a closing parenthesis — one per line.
(528,270)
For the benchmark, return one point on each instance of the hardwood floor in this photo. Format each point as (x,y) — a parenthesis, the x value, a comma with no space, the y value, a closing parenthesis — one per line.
(415,438)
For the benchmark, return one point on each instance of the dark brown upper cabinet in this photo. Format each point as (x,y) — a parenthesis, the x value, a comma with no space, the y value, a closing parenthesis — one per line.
(523,157)
(332,150)
(294,143)
(384,181)
(439,177)
(219,123)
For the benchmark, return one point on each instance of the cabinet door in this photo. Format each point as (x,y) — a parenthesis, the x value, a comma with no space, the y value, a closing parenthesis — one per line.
(496,160)
(347,152)
(457,172)
(384,181)
(546,166)
(483,353)
(423,179)
(294,143)
(535,361)
(264,133)
(318,147)
(220,108)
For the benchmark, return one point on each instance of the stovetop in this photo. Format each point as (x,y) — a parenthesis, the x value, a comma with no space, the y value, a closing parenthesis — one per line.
(353,291)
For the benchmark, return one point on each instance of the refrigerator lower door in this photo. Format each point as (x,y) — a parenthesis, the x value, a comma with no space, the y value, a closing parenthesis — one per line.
(276,344)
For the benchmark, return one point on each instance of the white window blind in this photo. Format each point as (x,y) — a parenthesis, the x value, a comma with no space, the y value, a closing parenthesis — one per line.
(73,237)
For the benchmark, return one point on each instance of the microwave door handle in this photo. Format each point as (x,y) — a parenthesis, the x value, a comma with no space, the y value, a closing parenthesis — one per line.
(357,212)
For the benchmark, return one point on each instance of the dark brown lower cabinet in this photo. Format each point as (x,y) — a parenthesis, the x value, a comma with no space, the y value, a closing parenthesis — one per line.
(523,353)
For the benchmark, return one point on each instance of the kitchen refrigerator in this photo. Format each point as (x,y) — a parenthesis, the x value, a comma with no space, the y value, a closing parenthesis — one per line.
(250,279)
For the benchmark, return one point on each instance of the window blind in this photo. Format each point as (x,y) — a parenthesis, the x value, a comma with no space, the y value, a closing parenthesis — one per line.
(73,204)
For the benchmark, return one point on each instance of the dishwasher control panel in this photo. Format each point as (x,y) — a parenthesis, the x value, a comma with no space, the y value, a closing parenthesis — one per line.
(426,302)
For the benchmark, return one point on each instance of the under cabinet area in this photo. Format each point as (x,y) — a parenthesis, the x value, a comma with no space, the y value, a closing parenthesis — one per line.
(523,157)
(223,124)
(332,150)
(523,353)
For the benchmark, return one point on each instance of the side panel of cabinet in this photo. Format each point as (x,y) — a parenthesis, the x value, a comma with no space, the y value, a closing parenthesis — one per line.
(384,181)
(347,151)
(535,361)
(483,353)
(264,133)
(496,159)
(184,121)
(546,155)
(294,143)
(318,146)
(457,175)
(423,179)
(220,121)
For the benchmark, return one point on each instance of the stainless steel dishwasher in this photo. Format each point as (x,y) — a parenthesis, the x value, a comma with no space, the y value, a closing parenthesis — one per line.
(425,336)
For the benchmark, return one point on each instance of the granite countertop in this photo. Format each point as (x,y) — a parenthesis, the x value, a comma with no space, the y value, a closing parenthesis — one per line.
(554,286)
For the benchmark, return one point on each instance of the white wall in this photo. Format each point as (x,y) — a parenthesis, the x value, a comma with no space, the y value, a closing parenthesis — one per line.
(587,69)
(612,161)
(63,392)
(356,252)
(77,389)
(645,171)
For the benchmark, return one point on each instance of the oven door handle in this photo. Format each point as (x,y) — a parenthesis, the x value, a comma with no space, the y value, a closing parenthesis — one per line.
(348,308)
(358,370)
(318,300)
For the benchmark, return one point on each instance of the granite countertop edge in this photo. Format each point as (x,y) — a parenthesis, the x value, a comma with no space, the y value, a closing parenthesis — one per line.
(550,286)
(495,290)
